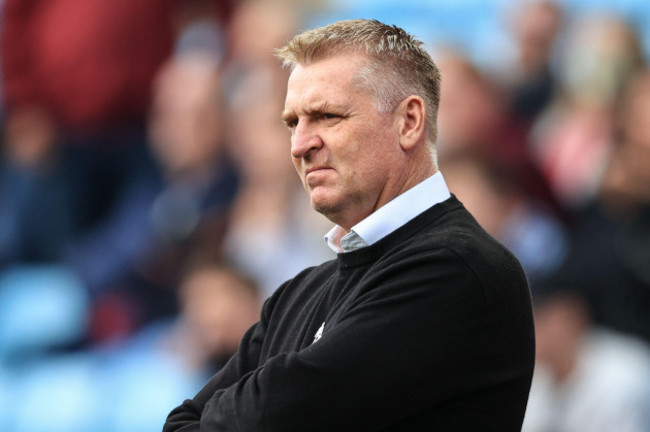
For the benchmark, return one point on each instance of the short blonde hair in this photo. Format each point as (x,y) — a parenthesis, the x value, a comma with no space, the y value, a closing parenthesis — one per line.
(398,65)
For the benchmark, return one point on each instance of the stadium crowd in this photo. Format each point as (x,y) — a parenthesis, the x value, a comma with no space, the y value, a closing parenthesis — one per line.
(148,204)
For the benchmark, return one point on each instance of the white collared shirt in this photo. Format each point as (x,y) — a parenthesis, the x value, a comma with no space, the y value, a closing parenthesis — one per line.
(390,216)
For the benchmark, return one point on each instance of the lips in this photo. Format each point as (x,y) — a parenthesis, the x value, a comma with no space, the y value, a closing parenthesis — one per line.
(315,176)
(312,169)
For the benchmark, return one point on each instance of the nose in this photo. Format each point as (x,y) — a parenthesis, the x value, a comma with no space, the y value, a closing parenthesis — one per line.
(304,139)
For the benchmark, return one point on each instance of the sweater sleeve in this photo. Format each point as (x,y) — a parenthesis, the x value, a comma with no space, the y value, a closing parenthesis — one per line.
(418,332)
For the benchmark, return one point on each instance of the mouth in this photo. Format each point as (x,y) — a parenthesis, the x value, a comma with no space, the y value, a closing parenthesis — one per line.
(315,169)
(316,176)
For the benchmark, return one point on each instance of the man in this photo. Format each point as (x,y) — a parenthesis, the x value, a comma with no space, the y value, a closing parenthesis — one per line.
(423,322)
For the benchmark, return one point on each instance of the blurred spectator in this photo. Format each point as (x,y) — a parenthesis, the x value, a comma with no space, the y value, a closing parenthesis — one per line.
(610,247)
(76,82)
(271,235)
(201,25)
(161,222)
(626,183)
(486,129)
(218,305)
(531,82)
(258,27)
(573,141)
(586,378)
(461,128)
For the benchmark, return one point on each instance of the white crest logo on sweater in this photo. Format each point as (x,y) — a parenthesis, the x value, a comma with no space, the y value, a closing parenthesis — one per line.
(319,333)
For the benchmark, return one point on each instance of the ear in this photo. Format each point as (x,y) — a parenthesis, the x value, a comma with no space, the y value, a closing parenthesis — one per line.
(411,122)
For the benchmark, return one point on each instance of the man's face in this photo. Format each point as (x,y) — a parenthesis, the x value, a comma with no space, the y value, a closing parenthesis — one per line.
(345,151)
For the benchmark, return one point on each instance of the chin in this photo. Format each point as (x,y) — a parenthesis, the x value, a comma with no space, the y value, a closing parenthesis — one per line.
(327,206)
(322,207)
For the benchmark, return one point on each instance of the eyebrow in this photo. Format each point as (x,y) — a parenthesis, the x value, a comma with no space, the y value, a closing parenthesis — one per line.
(323,107)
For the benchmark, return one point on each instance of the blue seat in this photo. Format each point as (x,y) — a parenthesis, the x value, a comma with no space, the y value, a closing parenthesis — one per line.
(40,307)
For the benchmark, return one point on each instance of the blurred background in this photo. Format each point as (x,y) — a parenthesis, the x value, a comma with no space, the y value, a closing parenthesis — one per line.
(148,204)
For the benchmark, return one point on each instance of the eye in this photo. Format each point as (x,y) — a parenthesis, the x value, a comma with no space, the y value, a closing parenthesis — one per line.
(291,123)
(330,118)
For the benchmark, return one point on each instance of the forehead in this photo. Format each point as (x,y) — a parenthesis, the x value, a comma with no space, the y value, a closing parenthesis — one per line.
(327,79)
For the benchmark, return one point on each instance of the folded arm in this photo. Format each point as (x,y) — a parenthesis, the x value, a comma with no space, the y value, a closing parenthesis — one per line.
(406,343)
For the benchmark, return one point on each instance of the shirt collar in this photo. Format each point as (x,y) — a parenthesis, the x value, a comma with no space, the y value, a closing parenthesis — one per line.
(390,216)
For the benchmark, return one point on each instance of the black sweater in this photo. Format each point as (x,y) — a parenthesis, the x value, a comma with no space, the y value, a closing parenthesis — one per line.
(430,329)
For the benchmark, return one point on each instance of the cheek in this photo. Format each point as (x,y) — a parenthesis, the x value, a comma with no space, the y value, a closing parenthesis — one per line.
(359,151)
(373,155)
(355,148)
